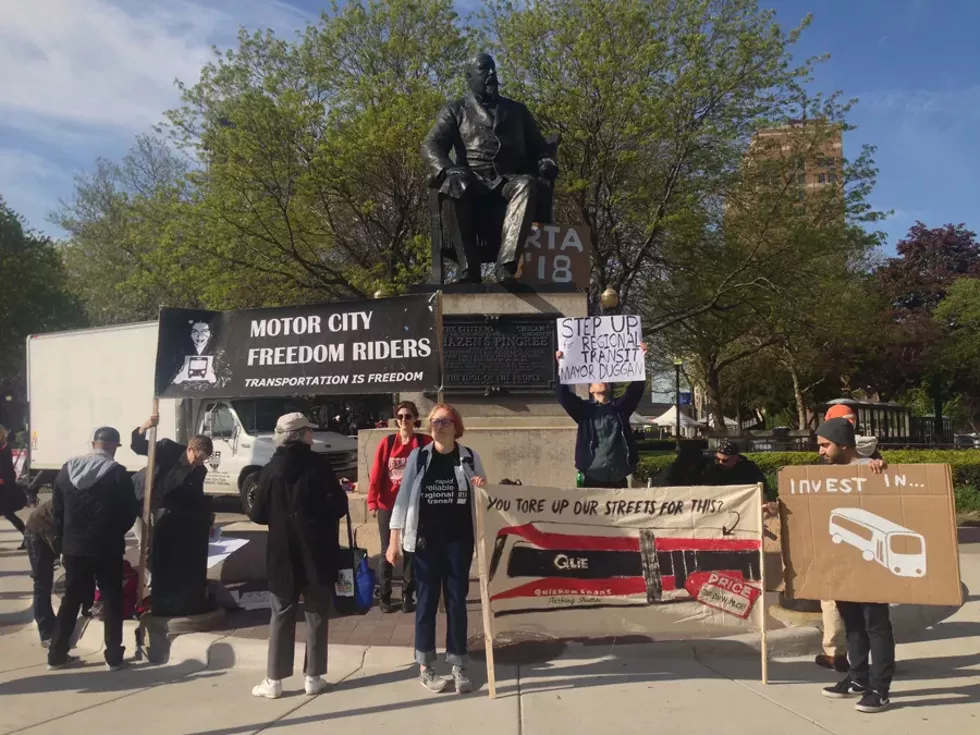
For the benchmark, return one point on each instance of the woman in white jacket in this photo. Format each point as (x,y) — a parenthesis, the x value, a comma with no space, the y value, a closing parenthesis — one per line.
(433,519)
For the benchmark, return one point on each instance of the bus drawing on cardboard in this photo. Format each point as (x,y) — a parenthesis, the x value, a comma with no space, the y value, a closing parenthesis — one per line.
(555,565)
(900,550)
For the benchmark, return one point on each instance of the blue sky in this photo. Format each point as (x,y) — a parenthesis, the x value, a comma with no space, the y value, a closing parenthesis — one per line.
(83,77)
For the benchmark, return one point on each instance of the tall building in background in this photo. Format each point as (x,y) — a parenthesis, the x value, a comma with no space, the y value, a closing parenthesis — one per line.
(822,169)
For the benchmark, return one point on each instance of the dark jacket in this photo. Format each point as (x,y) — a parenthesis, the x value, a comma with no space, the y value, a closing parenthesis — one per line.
(745,472)
(686,471)
(582,411)
(42,524)
(464,125)
(94,506)
(176,483)
(12,498)
(299,499)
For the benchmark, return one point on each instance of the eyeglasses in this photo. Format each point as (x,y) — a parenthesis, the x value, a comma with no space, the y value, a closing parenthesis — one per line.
(405,417)
(441,423)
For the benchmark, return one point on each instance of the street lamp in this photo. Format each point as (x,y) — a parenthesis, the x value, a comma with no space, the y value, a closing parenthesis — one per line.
(678,363)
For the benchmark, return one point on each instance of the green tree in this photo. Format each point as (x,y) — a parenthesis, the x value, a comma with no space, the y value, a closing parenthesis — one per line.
(121,252)
(957,318)
(35,297)
(311,178)
(656,102)
(772,266)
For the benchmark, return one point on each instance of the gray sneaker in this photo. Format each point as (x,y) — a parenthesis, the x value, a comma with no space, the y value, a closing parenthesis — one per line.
(432,682)
(462,682)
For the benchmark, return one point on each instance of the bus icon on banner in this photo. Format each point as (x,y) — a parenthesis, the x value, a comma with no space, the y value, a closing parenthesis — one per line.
(900,550)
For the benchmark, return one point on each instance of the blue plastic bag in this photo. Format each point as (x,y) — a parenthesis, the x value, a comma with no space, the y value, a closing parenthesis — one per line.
(364,585)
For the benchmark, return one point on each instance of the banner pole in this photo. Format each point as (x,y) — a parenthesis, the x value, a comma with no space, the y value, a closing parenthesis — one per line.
(485,594)
(764,641)
(442,356)
(145,531)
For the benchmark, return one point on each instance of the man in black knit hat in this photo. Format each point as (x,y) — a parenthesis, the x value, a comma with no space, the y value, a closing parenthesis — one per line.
(867,624)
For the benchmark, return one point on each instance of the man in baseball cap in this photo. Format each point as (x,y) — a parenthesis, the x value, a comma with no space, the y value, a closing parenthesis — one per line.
(293,422)
(732,468)
(93,506)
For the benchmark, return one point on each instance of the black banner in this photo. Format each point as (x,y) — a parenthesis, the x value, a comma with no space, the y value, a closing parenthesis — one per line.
(379,346)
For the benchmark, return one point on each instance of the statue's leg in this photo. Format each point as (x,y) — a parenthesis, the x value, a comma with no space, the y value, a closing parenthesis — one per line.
(521,193)
(460,225)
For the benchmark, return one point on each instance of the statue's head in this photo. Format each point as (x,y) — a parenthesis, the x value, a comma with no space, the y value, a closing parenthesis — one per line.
(481,75)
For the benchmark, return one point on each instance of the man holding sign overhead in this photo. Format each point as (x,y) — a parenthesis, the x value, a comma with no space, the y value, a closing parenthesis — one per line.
(604,348)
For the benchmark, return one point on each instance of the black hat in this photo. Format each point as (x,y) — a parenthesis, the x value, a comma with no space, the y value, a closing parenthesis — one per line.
(106,434)
(728,448)
(839,431)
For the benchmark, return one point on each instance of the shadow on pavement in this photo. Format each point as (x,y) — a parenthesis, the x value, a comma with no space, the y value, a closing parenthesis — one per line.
(942,632)
(93,677)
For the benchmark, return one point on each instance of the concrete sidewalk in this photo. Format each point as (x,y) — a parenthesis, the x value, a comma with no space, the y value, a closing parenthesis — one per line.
(205,689)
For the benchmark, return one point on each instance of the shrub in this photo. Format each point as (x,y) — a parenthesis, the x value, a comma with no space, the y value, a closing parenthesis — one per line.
(965,465)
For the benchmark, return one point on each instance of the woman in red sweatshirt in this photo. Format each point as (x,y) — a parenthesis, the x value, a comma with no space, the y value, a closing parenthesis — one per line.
(386,478)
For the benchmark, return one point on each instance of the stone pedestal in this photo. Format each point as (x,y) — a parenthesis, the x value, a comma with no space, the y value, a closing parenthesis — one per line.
(521,433)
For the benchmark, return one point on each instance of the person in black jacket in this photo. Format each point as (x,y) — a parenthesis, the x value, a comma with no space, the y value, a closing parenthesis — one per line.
(299,498)
(179,475)
(94,506)
(12,498)
(687,470)
(732,468)
(605,450)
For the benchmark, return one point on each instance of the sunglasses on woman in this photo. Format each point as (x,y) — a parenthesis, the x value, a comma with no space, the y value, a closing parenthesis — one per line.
(405,417)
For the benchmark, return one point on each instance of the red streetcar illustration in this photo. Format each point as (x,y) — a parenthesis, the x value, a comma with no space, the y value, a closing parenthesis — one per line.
(555,566)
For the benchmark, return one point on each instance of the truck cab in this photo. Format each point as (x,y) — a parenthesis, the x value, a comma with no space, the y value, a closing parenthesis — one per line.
(242,433)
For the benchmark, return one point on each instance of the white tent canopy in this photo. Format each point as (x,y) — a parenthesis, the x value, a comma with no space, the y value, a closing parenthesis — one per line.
(669,418)
(637,420)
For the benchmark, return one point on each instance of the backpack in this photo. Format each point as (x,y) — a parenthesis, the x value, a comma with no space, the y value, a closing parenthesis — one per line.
(130,584)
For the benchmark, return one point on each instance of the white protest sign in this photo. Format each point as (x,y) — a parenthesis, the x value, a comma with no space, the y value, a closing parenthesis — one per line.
(601,349)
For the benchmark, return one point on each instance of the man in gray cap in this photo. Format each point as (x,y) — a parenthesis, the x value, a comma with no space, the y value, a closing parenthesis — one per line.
(93,507)
(867,624)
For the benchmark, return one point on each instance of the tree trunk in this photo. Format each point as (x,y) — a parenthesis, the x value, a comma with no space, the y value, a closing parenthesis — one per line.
(712,383)
(801,412)
(937,408)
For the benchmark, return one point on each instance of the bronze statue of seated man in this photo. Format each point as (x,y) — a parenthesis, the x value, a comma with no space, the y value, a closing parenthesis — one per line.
(499,162)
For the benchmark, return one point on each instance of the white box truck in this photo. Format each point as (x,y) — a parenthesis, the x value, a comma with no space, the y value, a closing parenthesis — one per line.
(83,379)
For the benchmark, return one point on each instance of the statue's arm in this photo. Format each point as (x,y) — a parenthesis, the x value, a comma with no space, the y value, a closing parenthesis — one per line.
(547,166)
(439,142)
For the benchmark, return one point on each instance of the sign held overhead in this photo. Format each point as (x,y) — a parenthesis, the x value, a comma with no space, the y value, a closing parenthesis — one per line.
(601,349)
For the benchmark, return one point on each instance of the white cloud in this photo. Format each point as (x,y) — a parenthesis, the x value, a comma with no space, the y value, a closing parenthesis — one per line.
(82,77)
(113,64)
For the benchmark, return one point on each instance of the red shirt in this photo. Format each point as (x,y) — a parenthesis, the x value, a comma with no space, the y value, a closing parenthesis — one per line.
(388,467)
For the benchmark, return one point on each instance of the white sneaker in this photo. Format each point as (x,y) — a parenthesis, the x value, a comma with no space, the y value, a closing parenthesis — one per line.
(316,685)
(269,688)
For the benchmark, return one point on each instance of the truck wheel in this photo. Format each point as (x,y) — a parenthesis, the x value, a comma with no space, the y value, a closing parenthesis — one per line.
(247,492)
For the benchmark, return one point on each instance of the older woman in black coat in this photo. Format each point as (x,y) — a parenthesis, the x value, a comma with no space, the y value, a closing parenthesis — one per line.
(299,498)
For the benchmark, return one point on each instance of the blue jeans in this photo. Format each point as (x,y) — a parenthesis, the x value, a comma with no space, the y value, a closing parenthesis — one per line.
(42,570)
(442,565)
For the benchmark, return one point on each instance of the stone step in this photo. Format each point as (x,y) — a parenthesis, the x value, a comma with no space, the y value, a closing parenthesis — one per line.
(357,502)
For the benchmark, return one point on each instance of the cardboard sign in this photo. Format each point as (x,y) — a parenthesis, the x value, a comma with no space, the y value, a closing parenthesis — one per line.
(668,559)
(603,349)
(851,535)
(557,255)
(378,346)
